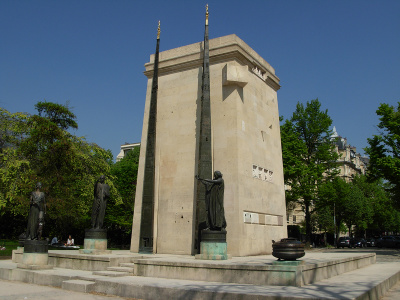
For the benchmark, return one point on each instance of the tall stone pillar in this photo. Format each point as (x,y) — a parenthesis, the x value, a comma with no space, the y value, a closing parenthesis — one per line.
(147,219)
(205,138)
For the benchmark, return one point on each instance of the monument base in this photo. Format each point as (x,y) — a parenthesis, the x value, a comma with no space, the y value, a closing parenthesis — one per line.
(288,262)
(95,242)
(213,245)
(19,252)
(94,251)
(35,255)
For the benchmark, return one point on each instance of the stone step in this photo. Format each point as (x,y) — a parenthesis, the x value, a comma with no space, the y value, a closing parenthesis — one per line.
(111,273)
(90,277)
(78,285)
(131,265)
(121,269)
(256,271)
(371,282)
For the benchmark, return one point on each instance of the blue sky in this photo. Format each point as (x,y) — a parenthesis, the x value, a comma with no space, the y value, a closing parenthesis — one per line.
(92,54)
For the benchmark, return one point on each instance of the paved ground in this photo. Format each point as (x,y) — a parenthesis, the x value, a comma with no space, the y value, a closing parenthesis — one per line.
(382,255)
(14,290)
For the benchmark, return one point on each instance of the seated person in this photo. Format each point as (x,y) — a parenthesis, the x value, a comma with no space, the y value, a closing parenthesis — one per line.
(70,241)
(54,241)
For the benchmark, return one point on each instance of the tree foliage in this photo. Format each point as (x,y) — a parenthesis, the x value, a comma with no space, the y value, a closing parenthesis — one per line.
(332,198)
(308,155)
(58,114)
(384,149)
(358,203)
(15,171)
(383,213)
(40,148)
(119,218)
(13,127)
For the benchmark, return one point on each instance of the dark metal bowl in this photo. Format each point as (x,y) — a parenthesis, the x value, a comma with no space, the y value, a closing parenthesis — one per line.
(288,249)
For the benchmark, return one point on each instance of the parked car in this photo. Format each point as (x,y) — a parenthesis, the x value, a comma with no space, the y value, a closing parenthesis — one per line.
(389,241)
(358,242)
(343,241)
(371,242)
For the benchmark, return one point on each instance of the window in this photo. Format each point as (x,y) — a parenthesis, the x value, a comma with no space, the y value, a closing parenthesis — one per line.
(255,171)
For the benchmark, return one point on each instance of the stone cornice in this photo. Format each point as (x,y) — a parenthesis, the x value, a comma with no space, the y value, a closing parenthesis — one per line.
(226,48)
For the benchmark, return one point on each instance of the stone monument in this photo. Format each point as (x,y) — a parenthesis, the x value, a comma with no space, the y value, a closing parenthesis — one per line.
(213,238)
(239,135)
(96,237)
(35,253)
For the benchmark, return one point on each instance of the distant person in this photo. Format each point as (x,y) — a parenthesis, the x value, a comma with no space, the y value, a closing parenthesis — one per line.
(54,241)
(70,241)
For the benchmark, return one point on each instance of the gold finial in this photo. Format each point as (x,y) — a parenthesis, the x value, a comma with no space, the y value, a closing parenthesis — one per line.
(158,31)
(207,14)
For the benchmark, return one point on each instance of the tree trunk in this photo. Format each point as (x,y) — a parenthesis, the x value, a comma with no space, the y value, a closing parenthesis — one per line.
(308,222)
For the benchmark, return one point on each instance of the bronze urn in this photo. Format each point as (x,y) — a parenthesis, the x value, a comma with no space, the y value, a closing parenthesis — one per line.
(288,249)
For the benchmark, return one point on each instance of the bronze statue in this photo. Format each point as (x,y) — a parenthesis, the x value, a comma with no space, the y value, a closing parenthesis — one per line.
(37,211)
(101,194)
(214,202)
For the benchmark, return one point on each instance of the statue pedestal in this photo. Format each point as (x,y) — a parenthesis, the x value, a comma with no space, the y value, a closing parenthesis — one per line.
(213,245)
(95,242)
(35,256)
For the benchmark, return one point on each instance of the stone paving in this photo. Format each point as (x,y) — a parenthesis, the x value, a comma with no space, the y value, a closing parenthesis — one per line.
(382,256)
(15,290)
(10,290)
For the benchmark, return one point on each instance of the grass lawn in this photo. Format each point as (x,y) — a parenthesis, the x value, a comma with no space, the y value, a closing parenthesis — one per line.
(9,246)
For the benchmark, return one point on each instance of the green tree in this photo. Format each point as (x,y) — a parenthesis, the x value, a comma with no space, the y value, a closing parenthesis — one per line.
(361,203)
(356,209)
(48,141)
(13,127)
(324,218)
(384,149)
(383,213)
(119,217)
(67,166)
(332,199)
(15,171)
(308,155)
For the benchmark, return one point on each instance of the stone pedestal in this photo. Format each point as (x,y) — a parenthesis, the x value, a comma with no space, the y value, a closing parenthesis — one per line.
(288,263)
(95,242)
(213,245)
(35,255)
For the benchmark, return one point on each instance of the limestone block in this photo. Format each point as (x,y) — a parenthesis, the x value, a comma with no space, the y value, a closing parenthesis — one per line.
(35,261)
(17,255)
(77,285)
(35,258)
(234,75)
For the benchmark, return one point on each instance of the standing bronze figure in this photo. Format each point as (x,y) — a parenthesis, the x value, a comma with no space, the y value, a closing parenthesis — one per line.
(37,211)
(101,194)
(214,202)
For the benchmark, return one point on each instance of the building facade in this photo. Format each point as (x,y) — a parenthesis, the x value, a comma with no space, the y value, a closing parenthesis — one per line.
(125,148)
